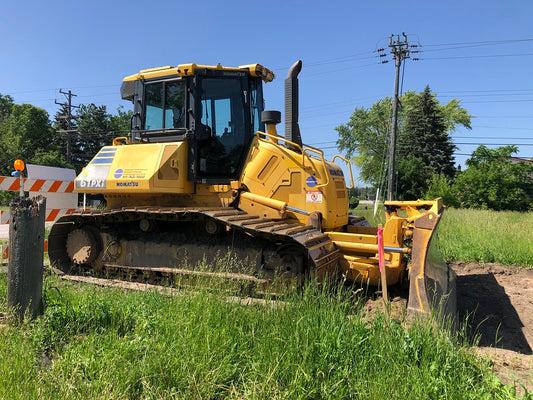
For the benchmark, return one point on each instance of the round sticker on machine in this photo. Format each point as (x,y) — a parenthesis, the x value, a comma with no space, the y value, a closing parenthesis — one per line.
(118,173)
(311,181)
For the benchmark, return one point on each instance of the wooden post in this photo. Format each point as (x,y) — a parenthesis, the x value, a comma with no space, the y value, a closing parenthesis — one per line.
(26,253)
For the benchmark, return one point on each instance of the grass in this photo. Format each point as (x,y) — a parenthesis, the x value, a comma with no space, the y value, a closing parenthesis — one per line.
(103,343)
(484,236)
(480,236)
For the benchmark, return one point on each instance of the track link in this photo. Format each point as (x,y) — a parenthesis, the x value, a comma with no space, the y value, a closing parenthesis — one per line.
(320,251)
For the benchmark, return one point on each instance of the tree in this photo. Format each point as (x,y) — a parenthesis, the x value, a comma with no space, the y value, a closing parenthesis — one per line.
(425,135)
(120,124)
(6,105)
(491,180)
(412,178)
(365,139)
(95,128)
(422,121)
(440,185)
(26,133)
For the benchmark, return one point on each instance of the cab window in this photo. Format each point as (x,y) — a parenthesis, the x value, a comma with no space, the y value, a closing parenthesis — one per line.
(164,104)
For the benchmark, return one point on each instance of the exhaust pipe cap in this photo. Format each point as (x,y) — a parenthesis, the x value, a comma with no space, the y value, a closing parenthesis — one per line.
(271,117)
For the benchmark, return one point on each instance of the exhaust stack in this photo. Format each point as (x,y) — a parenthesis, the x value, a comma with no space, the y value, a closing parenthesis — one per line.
(292,129)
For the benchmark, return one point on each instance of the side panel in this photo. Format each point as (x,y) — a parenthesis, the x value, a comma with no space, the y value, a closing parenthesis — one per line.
(301,181)
(137,168)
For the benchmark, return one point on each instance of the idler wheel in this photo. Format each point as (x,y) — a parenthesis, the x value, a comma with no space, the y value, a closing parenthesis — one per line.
(82,246)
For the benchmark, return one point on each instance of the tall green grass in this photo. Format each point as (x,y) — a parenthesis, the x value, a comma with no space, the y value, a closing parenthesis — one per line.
(109,344)
(481,236)
(484,236)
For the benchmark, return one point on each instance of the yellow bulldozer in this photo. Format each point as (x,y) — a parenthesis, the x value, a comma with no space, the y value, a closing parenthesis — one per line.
(204,171)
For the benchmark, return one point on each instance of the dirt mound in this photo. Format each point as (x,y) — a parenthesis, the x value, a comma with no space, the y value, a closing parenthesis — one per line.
(497,303)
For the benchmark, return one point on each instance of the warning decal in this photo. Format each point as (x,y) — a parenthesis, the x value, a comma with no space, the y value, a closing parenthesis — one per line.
(313,196)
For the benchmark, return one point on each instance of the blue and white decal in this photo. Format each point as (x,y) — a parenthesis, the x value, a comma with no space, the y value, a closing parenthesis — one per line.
(311,181)
(94,175)
(104,156)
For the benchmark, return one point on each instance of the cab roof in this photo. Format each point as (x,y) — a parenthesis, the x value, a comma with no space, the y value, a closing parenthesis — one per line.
(184,70)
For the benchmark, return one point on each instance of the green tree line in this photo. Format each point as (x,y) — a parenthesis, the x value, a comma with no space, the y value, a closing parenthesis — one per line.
(26,132)
(425,163)
(425,166)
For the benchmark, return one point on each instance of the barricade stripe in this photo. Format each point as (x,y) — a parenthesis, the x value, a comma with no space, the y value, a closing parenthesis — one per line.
(63,187)
(15,185)
(53,215)
(55,186)
(4,217)
(37,185)
(5,249)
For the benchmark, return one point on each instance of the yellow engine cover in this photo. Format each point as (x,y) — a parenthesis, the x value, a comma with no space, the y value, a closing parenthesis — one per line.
(297,179)
(137,168)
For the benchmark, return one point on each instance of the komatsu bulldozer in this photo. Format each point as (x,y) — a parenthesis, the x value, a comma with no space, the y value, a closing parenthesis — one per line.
(204,172)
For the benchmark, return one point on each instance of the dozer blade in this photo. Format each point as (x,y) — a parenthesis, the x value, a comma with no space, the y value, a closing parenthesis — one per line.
(431,282)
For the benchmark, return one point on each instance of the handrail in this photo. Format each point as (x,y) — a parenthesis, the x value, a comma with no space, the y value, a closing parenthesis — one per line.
(260,135)
(349,167)
(321,154)
(273,139)
(120,140)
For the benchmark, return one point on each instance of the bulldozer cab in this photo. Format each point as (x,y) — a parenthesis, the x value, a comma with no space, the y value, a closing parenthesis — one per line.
(216,110)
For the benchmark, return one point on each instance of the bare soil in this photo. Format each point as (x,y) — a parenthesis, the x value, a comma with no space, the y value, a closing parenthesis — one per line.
(497,304)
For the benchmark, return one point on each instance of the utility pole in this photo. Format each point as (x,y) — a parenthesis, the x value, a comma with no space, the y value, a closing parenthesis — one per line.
(68,118)
(400,51)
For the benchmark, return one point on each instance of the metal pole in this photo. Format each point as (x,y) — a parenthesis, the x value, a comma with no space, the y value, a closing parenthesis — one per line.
(21,178)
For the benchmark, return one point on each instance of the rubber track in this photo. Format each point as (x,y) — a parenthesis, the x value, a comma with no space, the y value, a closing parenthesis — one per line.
(321,249)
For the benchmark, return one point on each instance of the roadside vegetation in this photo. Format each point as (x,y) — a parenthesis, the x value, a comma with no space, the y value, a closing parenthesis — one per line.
(486,236)
(493,179)
(480,236)
(105,343)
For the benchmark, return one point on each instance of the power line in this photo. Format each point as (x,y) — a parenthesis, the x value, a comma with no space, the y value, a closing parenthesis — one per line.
(351,57)
(496,144)
(510,100)
(480,43)
(478,56)
(505,116)
(455,153)
(495,156)
(56,89)
(406,145)
(502,127)
(459,92)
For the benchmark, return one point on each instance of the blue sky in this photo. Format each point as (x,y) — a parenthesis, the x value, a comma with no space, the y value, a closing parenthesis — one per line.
(477,51)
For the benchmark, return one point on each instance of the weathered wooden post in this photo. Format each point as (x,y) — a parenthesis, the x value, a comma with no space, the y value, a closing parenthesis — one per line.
(26,252)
